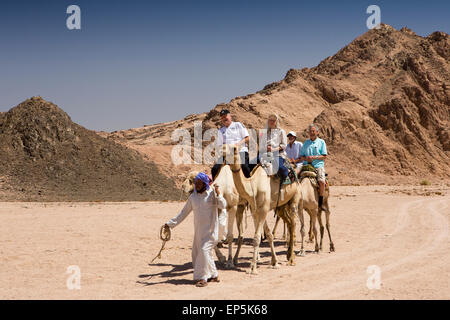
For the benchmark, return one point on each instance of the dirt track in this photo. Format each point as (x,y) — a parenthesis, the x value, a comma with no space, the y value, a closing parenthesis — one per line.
(407,236)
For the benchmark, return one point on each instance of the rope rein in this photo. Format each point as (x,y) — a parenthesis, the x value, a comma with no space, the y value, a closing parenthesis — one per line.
(164,235)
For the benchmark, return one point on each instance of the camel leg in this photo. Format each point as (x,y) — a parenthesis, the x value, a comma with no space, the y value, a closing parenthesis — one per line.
(286,236)
(260,219)
(290,221)
(239,223)
(322,229)
(256,243)
(230,236)
(302,230)
(263,237)
(310,232)
(274,261)
(313,215)
(258,258)
(275,226)
(327,217)
(219,255)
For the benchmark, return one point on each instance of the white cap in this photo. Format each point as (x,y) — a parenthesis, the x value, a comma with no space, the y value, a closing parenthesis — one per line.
(292,133)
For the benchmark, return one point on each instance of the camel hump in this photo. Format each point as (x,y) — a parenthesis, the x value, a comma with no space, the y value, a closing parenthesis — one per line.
(254,169)
(313,178)
(310,174)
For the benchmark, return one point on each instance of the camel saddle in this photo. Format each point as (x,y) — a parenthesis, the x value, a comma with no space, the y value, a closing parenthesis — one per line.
(291,178)
(310,172)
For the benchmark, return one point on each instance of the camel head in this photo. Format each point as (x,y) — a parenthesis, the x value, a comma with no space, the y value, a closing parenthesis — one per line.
(227,153)
(188,184)
(234,151)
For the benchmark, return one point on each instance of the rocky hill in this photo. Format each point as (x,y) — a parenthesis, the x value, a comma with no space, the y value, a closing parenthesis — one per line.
(382,104)
(45,156)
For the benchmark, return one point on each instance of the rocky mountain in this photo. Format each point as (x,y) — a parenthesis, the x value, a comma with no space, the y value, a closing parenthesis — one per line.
(45,156)
(382,104)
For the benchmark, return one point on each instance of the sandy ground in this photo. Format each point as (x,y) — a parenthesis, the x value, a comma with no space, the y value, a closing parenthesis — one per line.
(402,230)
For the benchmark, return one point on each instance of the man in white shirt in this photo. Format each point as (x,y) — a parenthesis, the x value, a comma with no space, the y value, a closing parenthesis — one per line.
(204,202)
(233,133)
(293,150)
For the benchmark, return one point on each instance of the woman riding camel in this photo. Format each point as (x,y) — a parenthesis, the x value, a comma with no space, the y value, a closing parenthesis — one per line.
(273,146)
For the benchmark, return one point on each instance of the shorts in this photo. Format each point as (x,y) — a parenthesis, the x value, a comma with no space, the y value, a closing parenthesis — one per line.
(321,174)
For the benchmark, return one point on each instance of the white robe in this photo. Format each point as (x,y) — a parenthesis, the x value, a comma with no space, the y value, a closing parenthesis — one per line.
(206,230)
(223,225)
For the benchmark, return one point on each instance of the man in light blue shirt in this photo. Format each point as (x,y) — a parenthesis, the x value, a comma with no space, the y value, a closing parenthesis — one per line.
(314,151)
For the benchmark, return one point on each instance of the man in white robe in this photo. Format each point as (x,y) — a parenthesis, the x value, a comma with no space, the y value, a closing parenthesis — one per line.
(204,202)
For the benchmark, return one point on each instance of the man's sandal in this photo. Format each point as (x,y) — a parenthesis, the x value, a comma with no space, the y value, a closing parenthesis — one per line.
(201,283)
(214,279)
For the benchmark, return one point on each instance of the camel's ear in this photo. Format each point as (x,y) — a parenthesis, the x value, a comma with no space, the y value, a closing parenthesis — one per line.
(225,149)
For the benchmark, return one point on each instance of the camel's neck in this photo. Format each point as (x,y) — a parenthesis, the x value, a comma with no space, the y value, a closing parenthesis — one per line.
(308,192)
(243,185)
(306,183)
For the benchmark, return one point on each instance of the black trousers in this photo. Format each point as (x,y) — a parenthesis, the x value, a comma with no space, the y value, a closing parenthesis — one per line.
(244,165)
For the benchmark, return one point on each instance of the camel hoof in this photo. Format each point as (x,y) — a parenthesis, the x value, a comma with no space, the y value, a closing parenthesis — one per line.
(301,253)
(252,271)
(229,265)
(332,248)
(275,266)
(291,263)
(235,262)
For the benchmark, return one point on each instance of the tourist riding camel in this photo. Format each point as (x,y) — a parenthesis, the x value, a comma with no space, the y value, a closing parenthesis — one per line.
(314,152)
(204,202)
(293,154)
(232,133)
(293,150)
(273,146)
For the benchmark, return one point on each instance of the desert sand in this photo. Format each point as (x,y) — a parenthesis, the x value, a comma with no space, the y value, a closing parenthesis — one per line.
(403,230)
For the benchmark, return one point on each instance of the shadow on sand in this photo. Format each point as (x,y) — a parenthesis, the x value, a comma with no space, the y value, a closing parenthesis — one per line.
(170,277)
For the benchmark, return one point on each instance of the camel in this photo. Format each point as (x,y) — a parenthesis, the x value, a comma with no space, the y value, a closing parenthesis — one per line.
(235,207)
(263,193)
(309,202)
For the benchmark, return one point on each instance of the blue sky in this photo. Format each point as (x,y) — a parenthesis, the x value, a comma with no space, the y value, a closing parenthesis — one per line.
(143,62)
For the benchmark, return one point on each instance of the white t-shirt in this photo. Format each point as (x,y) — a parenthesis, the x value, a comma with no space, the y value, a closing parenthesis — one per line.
(232,135)
(294,151)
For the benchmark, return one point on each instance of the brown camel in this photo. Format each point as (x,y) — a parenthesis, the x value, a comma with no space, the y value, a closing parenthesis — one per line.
(309,202)
(263,193)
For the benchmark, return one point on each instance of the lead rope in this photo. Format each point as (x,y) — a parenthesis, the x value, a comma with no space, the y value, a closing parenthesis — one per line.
(215,200)
(164,235)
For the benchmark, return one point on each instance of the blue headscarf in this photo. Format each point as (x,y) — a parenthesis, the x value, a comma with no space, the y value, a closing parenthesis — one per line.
(202,177)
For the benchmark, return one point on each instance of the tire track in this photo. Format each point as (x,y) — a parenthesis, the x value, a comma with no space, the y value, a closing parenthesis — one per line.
(404,218)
